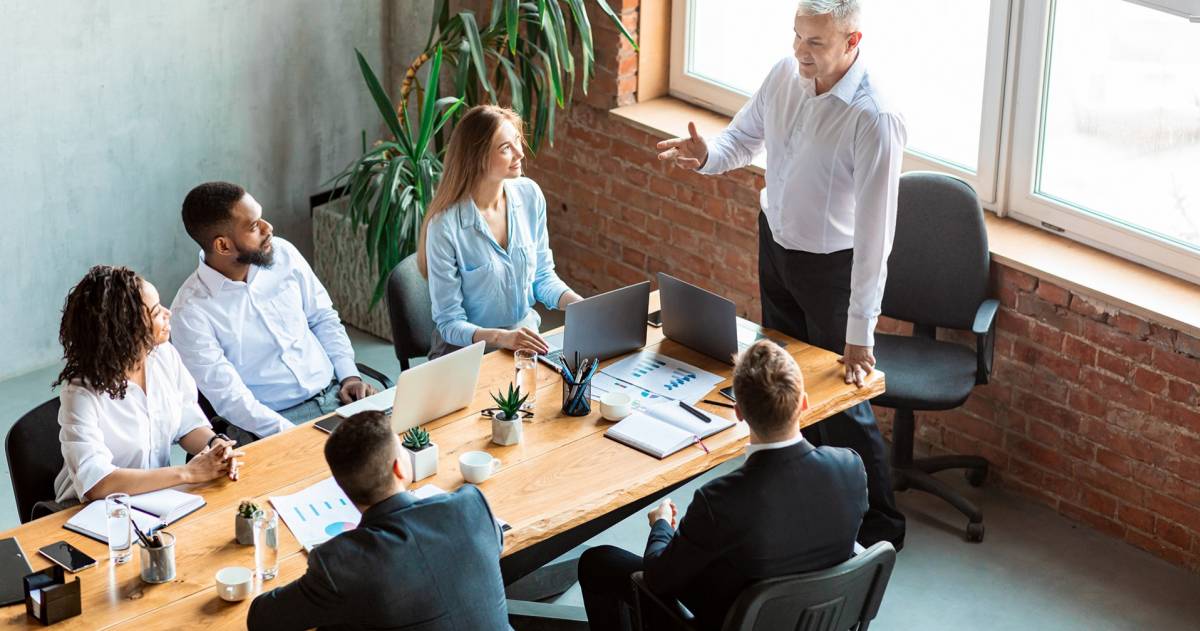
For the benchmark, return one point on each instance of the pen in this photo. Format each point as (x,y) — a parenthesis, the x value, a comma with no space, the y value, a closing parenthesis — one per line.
(718,403)
(694,412)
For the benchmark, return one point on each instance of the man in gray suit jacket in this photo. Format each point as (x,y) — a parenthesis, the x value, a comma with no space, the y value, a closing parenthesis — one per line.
(431,564)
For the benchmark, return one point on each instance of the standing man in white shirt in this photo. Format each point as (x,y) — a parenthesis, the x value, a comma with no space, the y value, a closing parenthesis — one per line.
(834,149)
(253,324)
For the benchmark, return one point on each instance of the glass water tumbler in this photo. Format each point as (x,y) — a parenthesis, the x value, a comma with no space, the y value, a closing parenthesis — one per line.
(120,533)
(266,544)
(525,364)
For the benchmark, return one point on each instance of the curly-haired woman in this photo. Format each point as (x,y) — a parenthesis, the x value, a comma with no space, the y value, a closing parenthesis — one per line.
(126,396)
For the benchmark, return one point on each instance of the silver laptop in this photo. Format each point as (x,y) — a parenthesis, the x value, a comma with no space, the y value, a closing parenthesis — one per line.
(603,326)
(427,391)
(704,321)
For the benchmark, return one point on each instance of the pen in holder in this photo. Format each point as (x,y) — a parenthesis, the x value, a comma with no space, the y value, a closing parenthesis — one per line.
(577,387)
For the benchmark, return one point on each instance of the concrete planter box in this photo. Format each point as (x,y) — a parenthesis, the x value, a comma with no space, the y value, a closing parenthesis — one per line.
(340,261)
(424,462)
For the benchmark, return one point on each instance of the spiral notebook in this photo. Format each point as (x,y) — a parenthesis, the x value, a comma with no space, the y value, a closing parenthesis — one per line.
(664,429)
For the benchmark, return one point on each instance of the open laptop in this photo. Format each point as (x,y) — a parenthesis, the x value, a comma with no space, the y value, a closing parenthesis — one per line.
(704,321)
(422,393)
(603,326)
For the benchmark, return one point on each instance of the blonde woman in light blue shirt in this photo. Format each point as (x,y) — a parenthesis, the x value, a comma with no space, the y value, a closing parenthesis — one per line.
(484,245)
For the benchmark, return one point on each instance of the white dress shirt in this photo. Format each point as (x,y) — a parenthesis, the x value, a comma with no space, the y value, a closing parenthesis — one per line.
(100,435)
(751,448)
(833,171)
(261,345)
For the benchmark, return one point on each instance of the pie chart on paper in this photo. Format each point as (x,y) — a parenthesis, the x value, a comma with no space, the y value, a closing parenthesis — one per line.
(338,527)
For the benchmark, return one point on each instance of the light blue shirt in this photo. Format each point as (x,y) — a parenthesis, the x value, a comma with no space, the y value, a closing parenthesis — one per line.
(261,345)
(473,282)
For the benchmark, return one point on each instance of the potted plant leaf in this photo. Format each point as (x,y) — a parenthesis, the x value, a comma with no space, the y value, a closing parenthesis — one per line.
(422,452)
(506,421)
(243,522)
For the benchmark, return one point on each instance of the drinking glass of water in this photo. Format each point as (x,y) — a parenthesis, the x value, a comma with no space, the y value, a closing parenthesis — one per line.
(527,374)
(120,534)
(266,544)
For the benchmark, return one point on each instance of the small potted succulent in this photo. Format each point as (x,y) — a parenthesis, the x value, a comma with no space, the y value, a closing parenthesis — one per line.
(243,522)
(506,422)
(422,451)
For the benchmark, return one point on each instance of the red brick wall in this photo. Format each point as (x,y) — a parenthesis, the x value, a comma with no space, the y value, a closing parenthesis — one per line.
(1091,411)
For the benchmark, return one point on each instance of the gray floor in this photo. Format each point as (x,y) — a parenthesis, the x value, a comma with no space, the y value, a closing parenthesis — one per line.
(1036,570)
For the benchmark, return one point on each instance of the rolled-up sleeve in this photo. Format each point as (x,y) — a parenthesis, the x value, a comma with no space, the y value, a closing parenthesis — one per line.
(445,283)
(548,288)
(878,153)
(85,456)
(216,377)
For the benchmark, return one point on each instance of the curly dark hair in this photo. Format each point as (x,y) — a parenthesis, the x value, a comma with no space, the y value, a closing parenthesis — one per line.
(105,329)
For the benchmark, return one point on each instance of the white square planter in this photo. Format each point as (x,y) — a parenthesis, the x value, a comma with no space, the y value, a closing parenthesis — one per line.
(424,462)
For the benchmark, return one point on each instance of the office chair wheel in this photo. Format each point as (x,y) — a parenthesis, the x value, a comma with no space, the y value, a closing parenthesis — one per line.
(975,532)
(976,477)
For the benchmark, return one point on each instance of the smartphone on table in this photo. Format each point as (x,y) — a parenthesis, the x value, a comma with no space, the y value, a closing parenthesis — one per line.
(727,392)
(71,559)
(654,319)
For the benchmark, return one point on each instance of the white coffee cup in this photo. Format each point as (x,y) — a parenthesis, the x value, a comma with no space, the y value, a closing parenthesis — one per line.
(234,583)
(615,406)
(477,466)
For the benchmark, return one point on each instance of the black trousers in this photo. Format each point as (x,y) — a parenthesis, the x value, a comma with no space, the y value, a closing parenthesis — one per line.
(807,295)
(607,590)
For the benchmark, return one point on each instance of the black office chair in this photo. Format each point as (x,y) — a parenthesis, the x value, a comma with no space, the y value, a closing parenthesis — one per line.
(34,460)
(937,277)
(410,311)
(845,596)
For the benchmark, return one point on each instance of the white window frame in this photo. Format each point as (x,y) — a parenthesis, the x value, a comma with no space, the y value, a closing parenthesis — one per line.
(1010,131)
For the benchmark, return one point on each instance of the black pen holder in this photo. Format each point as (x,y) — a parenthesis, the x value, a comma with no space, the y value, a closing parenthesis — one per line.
(577,397)
(59,599)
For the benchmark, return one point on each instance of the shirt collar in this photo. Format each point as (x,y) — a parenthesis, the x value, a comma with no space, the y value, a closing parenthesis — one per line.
(753,448)
(468,213)
(848,85)
(215,280)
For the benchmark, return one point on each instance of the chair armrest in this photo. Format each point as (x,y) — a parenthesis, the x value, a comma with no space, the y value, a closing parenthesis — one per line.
(376,375)
(985,339)
(647,604)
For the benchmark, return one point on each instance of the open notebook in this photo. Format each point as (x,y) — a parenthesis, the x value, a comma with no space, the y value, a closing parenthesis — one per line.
(664,429)
(148,510)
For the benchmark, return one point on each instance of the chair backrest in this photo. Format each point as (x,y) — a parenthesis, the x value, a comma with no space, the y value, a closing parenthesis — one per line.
(34,457)
(845,596)
(410,311)
(938,270)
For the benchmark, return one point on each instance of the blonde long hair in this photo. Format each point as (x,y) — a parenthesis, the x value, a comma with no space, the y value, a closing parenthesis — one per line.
(466,162)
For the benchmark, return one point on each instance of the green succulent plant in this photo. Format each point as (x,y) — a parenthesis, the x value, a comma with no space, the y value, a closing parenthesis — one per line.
(510,404)
(416,439)
(247,509)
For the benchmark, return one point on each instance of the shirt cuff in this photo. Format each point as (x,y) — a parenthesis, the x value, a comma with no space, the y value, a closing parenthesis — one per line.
(860,331)
(344,368)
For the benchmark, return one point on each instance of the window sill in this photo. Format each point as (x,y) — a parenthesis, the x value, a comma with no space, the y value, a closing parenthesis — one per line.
(1139,290)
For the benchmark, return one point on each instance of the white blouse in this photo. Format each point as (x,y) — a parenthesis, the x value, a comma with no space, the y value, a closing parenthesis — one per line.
(100,434)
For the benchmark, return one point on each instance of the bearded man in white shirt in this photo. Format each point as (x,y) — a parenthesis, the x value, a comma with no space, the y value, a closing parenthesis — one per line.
(253,324)
(834,148)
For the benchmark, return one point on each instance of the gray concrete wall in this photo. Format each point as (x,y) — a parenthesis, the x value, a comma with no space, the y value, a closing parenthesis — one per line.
(111,111)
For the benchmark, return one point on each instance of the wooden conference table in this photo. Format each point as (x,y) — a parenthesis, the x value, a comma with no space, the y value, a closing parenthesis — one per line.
(564,483)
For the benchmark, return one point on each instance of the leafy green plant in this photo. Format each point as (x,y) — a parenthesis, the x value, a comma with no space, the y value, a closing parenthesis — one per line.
(523,56)
(416,439)
(510,404)
(246,509)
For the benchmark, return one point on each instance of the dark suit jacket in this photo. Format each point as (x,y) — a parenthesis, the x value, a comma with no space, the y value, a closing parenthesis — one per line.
(432,564)
(785,511)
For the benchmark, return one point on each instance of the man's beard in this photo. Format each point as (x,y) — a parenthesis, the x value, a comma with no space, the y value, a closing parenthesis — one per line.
(259,257)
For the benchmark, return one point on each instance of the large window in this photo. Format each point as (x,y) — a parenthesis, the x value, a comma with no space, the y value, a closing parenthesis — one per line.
(1078,116)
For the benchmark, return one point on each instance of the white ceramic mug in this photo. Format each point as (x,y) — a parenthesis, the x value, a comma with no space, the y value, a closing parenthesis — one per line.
(615,406)
(234,583)
(477,466)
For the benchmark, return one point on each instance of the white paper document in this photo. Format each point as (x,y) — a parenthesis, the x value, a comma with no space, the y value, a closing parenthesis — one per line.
(318,513)
(665,376)
(642,398)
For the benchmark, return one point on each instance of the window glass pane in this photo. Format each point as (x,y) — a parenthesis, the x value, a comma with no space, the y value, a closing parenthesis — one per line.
(1121,123)
(907,43)
(932,58)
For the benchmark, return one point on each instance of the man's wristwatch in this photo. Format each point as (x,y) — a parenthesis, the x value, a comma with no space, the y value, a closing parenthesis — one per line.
(215,437)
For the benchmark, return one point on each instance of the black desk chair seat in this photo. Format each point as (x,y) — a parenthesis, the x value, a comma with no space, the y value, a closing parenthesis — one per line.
(34,460)
(845,596)
(410,311)
(924,374)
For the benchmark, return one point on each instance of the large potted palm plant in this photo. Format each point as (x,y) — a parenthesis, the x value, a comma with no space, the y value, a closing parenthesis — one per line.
(524,58)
